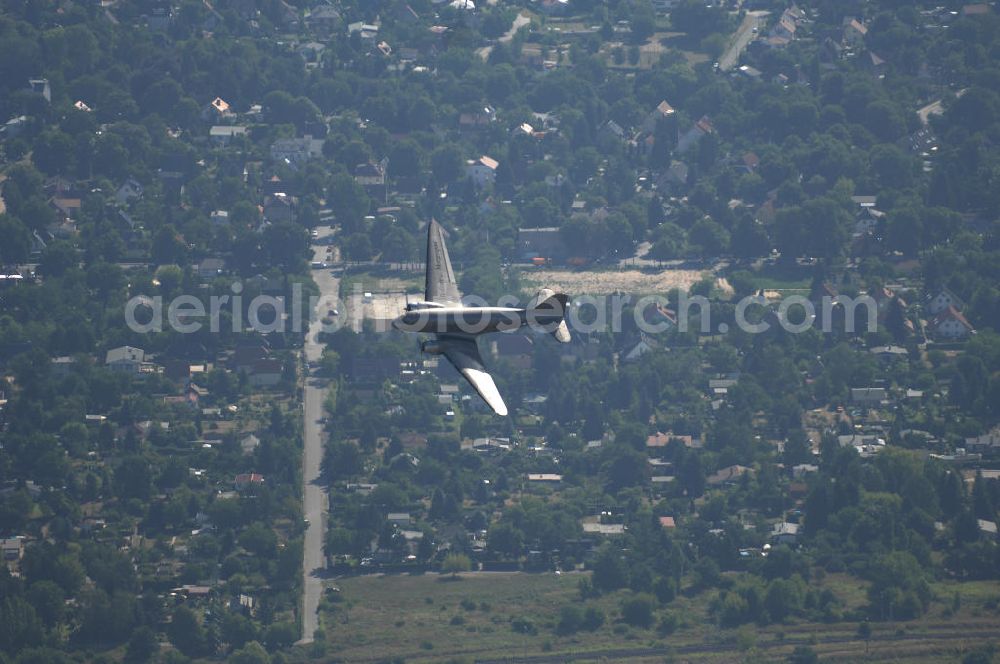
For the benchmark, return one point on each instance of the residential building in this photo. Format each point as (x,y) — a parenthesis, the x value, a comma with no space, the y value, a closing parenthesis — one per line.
(943,299)
(545,479)
(41,86)
(399,519)
(951,325)
(296,151)
(728,475)
(785,533)
(663,111)
(223,134)
(217,110)
(265,372)
(540,243)
(209,268)
(482,171)
(868,395)
(698,130)
(130,190)
(854,33)
(126,359)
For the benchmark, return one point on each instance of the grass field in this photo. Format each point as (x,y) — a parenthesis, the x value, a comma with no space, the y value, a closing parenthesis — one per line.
(499,617)
(381,282)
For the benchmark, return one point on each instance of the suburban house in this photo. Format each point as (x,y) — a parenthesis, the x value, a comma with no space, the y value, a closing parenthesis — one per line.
(130,189)
(854,33)
(662,111)
(371,176)
(482,171)
(785,533)
(324,19)
(278,208)
(41,86)
(868,395)
(12,548)
(951,325)
(728,475)
(399,519)
(126,359)
(296,151)
(943,299)
(606,529)
(14,126)
(265,372)
(479,119)
(366,32)
(248,480)
(209,268)
(540,243)
(984,443)
(699,129)
(217,110)
(223,134)
(545,479)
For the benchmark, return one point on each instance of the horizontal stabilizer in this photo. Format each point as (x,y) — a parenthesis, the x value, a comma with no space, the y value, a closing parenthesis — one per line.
(548,311)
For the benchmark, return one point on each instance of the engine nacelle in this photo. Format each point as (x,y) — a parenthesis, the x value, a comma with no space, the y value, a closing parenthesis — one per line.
(431,348)
(417,306)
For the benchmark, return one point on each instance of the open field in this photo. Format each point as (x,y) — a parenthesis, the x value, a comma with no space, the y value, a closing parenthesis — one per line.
(603,283)
(476,618)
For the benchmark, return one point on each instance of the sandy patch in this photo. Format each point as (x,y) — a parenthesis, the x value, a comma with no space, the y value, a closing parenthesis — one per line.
(604,283)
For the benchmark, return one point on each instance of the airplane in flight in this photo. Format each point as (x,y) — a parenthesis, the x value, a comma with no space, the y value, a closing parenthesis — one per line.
(456,326)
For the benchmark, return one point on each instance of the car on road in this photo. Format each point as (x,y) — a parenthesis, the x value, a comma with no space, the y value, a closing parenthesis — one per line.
(333,312)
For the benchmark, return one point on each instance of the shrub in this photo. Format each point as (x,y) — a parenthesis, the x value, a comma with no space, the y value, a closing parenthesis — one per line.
(637,610)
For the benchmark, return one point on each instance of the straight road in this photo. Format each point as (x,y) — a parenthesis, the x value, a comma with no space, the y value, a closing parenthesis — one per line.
(313,490)
(741,39)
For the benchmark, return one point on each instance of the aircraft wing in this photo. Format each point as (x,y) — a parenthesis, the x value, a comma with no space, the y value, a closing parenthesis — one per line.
(441,285)
(464,354)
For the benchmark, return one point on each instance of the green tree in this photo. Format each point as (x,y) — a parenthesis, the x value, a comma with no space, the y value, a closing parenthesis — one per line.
(610,570)
(570,619)
(637,610)
(455,563)
(19,625)
(16,243)
(142,645)
(186,632)
(168,247)
(642,23)
(803,655)
(447,164)
(280,635)
(899,589)
(251,653)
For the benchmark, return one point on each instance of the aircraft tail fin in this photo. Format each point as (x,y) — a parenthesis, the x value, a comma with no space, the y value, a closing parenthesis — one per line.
(548,310)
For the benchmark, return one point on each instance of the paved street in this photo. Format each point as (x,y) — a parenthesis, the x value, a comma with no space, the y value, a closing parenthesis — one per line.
(744,35)
(314,494)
